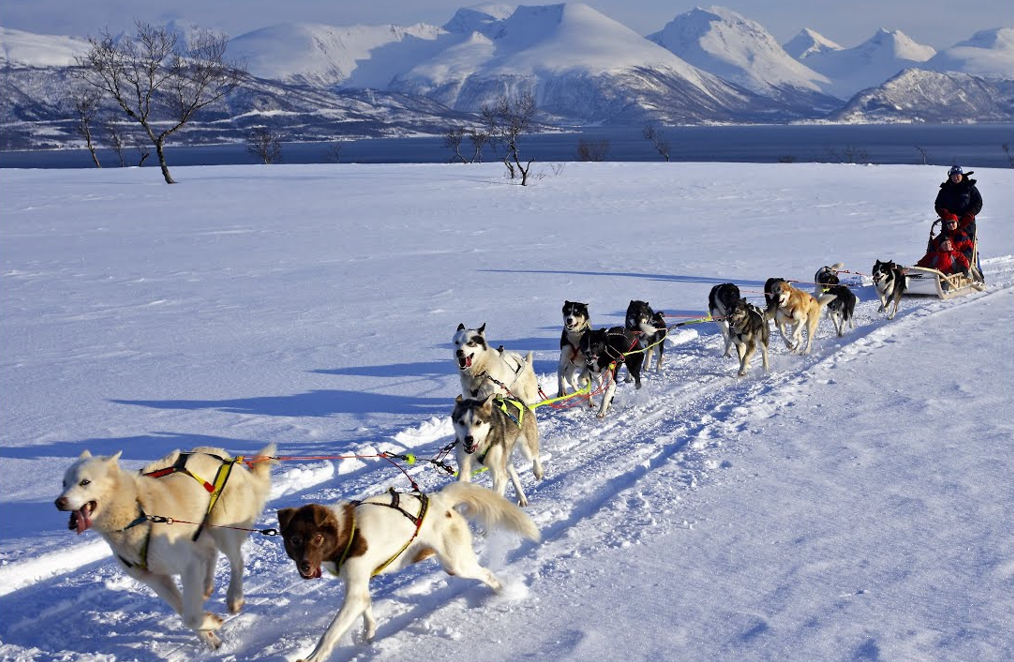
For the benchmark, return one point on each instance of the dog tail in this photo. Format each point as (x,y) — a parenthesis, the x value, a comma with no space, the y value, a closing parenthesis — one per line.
(837,266)
(825,299)
(261,468)
(490,509)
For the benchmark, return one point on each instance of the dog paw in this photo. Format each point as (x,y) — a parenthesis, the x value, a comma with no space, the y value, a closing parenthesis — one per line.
(210,639)
(235,606)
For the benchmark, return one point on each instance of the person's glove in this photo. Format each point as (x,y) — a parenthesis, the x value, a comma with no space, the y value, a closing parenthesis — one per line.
(965,221)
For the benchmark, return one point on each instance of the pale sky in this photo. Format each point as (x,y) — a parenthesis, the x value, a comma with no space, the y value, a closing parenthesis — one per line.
(937,23)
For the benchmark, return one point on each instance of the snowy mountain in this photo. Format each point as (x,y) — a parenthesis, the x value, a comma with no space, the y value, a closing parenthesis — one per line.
(580,65)
(917,95)
(18,48)
(321,55)
(988,53)
(807,43)
(870,63)
(742,52)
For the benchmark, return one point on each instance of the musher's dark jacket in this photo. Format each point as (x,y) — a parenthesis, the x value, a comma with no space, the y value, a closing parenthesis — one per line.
(959,199)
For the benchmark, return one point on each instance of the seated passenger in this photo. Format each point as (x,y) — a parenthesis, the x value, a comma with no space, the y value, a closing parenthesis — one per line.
(950,251)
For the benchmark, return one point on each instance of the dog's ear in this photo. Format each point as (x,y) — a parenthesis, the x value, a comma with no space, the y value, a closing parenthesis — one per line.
(285,516)
(322,515)
(487,404)
(482,329)
(113,459)
(461,327)
(85,454)
(457,400)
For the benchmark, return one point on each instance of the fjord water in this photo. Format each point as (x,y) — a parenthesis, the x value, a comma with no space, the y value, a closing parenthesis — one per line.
(977,145)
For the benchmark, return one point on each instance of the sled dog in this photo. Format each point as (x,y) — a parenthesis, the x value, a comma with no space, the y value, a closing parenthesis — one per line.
(889,279)
(797,308)
(650,329)
(826,277)
(485,371)
(605,350)
(842,310)
(487,432)
(770,298)
(749,330)
(117,504)
(383,534)
(572,372)
(721,301)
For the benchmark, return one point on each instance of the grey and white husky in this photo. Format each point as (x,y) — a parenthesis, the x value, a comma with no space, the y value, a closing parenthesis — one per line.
(486,431)
(484,370)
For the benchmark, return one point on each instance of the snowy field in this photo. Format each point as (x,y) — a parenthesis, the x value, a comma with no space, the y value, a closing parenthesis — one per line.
(853,504)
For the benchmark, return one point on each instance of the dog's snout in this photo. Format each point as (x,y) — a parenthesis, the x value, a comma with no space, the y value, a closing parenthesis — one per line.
(305,566)
(61,503)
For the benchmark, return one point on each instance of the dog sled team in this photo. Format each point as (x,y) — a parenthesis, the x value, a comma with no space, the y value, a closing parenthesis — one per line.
(167,520)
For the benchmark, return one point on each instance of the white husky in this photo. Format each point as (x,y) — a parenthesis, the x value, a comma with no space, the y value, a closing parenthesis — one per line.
(485,371)
(119,504)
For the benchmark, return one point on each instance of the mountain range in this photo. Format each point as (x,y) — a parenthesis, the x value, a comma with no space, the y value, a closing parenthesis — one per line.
(708,65)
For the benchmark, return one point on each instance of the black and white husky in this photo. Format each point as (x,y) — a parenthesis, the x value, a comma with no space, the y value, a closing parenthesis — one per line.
(605,350)
(825,277)
(572,371)
(487,431)
(889,279)
(721,300)
(771,289)
(749,331)
(842,310)
(485,371)
(650,328)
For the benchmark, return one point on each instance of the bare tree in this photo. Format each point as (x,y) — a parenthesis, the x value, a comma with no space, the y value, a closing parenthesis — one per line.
(265,144)
(592,150)
(506,121)
(159,82)
(116,141)
(452,141)
(923,155)
(334,152)
(479,139)
(86,105)
(856,154)
(657,138)
(1006,150)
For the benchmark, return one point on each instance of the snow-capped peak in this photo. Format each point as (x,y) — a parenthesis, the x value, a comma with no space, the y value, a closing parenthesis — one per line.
(478,18)
(40,50)
(735,48)
(807,43)
(988,53)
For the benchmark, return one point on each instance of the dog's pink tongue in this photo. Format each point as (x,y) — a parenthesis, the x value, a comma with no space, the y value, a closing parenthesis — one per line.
(468,361)
(84,520)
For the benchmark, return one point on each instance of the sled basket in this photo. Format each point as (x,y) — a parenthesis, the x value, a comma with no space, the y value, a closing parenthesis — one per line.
(923,281)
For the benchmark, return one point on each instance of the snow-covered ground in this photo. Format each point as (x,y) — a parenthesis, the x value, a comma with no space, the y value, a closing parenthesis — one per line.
(854,504)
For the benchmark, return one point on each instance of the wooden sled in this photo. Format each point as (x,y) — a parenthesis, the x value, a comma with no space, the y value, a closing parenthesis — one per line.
(923,281)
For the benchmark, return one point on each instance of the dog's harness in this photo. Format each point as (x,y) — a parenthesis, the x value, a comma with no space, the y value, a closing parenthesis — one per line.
(141,517)
(424,506)
(215,488)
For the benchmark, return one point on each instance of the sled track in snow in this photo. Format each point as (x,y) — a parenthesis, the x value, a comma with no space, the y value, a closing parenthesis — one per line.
(684,424)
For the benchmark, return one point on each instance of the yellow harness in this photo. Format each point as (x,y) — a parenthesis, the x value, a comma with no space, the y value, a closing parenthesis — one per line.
(424,506)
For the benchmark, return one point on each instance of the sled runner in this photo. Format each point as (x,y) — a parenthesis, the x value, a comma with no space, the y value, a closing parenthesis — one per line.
(933,282)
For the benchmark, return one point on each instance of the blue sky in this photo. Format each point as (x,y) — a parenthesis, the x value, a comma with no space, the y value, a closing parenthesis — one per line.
(938,23)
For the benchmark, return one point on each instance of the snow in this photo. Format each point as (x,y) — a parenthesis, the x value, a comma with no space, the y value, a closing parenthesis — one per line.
(853,504)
